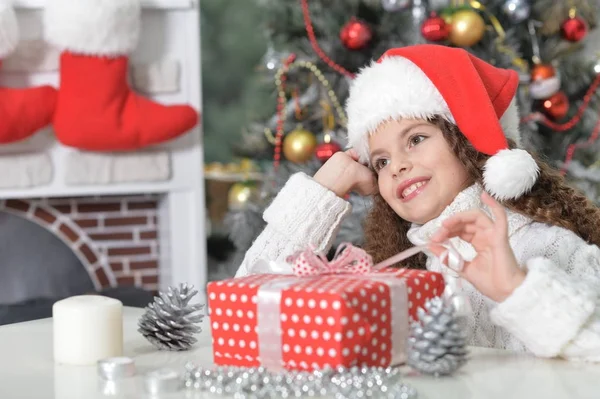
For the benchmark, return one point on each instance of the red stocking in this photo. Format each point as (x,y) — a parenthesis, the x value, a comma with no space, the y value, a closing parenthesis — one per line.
(23,112)
(97,109)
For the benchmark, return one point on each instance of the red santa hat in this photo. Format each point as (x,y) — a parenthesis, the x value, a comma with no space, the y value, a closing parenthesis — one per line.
(426,80)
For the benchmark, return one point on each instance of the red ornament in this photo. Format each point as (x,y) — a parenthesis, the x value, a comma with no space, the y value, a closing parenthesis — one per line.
(326,150)
(356,34)
(435,28)
(574,29)
(556,106)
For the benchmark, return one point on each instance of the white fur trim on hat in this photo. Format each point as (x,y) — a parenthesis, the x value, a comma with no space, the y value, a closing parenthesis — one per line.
(391,89)
(509,174)
(397,88)
(9,29)
(93,27)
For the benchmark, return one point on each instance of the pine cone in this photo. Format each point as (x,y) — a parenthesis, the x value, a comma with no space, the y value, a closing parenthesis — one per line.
(437,342)
(169,322)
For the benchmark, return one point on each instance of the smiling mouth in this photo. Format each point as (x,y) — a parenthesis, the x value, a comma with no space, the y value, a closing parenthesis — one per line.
(413,190)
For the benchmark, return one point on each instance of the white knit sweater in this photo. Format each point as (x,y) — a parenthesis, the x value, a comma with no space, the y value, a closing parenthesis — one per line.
(555,311)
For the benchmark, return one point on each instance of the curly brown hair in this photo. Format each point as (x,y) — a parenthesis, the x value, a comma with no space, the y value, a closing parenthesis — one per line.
(550,201)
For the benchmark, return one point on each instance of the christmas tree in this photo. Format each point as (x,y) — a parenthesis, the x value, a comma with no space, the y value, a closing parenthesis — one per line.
(314,48)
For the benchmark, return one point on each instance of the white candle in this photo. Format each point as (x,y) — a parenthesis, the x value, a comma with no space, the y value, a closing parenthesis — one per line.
(87,328)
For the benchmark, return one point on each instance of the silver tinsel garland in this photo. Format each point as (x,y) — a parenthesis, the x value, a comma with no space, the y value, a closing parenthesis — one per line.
(169,322)
(341,383)
(438,341)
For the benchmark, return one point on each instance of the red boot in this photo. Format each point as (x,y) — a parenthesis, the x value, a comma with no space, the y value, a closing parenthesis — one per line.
(97,110)
(23,112)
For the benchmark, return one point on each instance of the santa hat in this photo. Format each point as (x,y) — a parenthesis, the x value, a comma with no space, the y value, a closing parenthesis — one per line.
(426,80)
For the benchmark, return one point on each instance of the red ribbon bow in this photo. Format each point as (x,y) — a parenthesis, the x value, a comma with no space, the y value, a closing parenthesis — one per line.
(348,259)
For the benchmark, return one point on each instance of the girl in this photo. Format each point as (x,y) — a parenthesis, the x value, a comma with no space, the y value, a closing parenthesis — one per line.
(434,137)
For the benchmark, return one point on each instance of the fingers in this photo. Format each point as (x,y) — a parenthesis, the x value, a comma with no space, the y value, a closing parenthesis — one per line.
(353,154)
(465,232)
(467,224)
(367,185)
(464,225)
(475,217)
(500,220)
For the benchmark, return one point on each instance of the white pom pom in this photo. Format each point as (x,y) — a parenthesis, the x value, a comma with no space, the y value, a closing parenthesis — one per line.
(509,174)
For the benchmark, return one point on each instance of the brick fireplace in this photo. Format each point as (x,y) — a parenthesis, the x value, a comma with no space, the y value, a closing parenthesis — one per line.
(115,237)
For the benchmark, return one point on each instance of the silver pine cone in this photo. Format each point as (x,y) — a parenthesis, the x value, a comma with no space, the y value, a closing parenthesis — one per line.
(437,344)
(169,323)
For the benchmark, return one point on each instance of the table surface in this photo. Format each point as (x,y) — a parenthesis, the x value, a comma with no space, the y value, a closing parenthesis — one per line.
(27,370)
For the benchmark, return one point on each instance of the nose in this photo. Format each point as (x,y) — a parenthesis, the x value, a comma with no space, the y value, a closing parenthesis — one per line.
(400,166)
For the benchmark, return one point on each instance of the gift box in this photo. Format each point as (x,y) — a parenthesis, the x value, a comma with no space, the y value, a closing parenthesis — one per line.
(306,321)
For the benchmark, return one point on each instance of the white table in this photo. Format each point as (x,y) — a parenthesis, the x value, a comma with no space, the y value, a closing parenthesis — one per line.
(27,370)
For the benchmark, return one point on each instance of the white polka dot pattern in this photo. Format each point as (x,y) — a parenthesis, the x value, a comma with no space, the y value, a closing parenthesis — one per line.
(334,320)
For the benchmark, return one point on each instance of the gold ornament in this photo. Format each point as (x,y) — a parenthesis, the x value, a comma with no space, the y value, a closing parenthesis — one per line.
(299,145)
(241,194)
(279,81)
(468,28)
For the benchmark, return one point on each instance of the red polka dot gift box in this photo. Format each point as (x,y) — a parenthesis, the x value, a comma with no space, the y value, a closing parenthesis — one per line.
(312,320)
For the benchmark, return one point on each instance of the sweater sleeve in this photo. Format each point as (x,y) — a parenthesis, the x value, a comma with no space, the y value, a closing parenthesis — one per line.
(555,312)
(302,213)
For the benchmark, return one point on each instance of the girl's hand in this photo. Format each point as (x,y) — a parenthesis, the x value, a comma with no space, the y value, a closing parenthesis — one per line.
(494,271)
(342,173)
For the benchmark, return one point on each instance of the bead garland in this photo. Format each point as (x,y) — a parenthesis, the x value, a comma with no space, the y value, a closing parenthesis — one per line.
(258,382)
(561,127)
(280,79)
(315,45)
(573,147)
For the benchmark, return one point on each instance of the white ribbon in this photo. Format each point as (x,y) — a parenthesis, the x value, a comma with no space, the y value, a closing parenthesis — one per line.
(268,316)
(454,263)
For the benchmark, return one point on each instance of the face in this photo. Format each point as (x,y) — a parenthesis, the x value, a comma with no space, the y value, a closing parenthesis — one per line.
(418,174)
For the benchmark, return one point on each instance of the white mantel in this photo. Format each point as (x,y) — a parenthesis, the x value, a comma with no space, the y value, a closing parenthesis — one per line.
(171,32)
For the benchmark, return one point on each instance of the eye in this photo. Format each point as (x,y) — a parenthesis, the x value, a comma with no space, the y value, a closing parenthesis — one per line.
(380,163)
(416,139)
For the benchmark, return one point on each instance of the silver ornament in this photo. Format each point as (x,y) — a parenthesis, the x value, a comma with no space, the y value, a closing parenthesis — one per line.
(437,344)
(169,322)
(341,383)
(395,5)
(517,10)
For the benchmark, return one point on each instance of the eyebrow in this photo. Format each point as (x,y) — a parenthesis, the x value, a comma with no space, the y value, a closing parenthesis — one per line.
(402,135)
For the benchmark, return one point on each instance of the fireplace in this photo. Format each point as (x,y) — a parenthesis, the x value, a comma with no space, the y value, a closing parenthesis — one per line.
(115,238)
(128,219)
(36,264)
